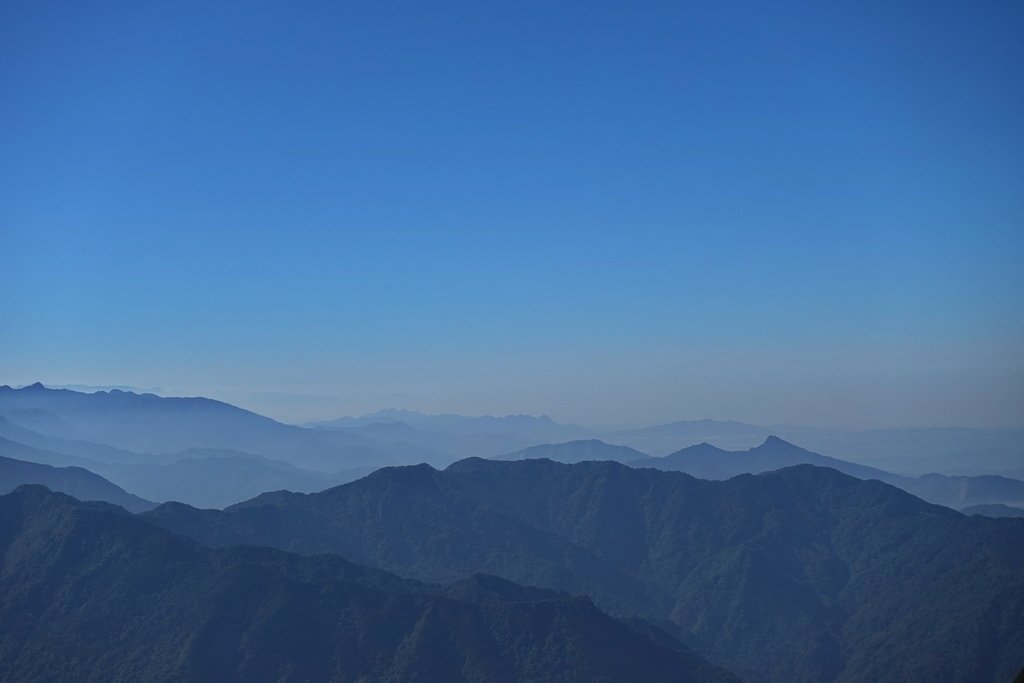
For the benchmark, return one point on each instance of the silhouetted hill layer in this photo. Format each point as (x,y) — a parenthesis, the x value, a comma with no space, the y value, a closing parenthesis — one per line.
(705,461)
(803,574)
(90,593)
(198,476)
(994,510)
(577,451)
(948,450)
(73,481)
(457,436)
(217,480)
(123,421)
(710,462)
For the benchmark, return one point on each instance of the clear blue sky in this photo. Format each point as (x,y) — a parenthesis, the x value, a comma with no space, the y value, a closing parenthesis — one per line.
(613,213)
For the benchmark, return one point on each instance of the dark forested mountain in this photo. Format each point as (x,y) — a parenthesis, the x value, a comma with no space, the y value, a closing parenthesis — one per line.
(803,574)
(412,520)
(577,451)
(90,593)
(73,481)
(709,462)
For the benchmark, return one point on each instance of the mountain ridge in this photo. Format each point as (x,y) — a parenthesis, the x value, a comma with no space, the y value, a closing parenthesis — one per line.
(86,574)
(787,575)
(71,480)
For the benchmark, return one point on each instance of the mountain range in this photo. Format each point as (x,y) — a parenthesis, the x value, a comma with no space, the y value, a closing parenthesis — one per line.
(197,446)
(779,563)
(455,435)
(710,462)
(994,510)
(910,451)
(801,574)
(89,592)
(210,454)
(160,426)
(74,481)
(577,451)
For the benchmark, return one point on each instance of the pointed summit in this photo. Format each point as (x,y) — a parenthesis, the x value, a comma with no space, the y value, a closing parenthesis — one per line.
(775,442)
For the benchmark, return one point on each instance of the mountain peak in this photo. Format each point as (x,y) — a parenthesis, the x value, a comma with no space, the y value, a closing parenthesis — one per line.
(696,450)
(775,442)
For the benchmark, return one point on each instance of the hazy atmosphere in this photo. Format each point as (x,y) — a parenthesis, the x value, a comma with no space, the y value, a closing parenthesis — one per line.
(522,342)
(612,213)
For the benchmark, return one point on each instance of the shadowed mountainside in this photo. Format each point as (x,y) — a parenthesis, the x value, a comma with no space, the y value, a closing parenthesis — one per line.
(803,574)
(87,575)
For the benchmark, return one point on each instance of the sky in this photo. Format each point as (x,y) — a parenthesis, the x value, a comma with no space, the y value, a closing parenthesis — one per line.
(613,213)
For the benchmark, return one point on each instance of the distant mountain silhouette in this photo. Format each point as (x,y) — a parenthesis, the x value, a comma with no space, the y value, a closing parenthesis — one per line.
(450,446)
(73,481)
(963,491)
(913,451)
(709,462)
(916,451)
(90,592)
(577,451)
(150,424)
(209,480)
(448,423)
(456,435)
(802,574)
(43,422)
(200,477)
(70,451)
(994,510)
(666,438)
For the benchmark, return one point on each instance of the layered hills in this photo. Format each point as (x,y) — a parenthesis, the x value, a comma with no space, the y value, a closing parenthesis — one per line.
(710,462)
(74,481)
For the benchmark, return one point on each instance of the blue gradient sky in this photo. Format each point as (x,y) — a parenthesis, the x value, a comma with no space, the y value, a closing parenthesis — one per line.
(613,213)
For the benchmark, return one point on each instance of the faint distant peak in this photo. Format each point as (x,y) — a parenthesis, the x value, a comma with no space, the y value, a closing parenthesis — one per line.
(700,449)
(773,441)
